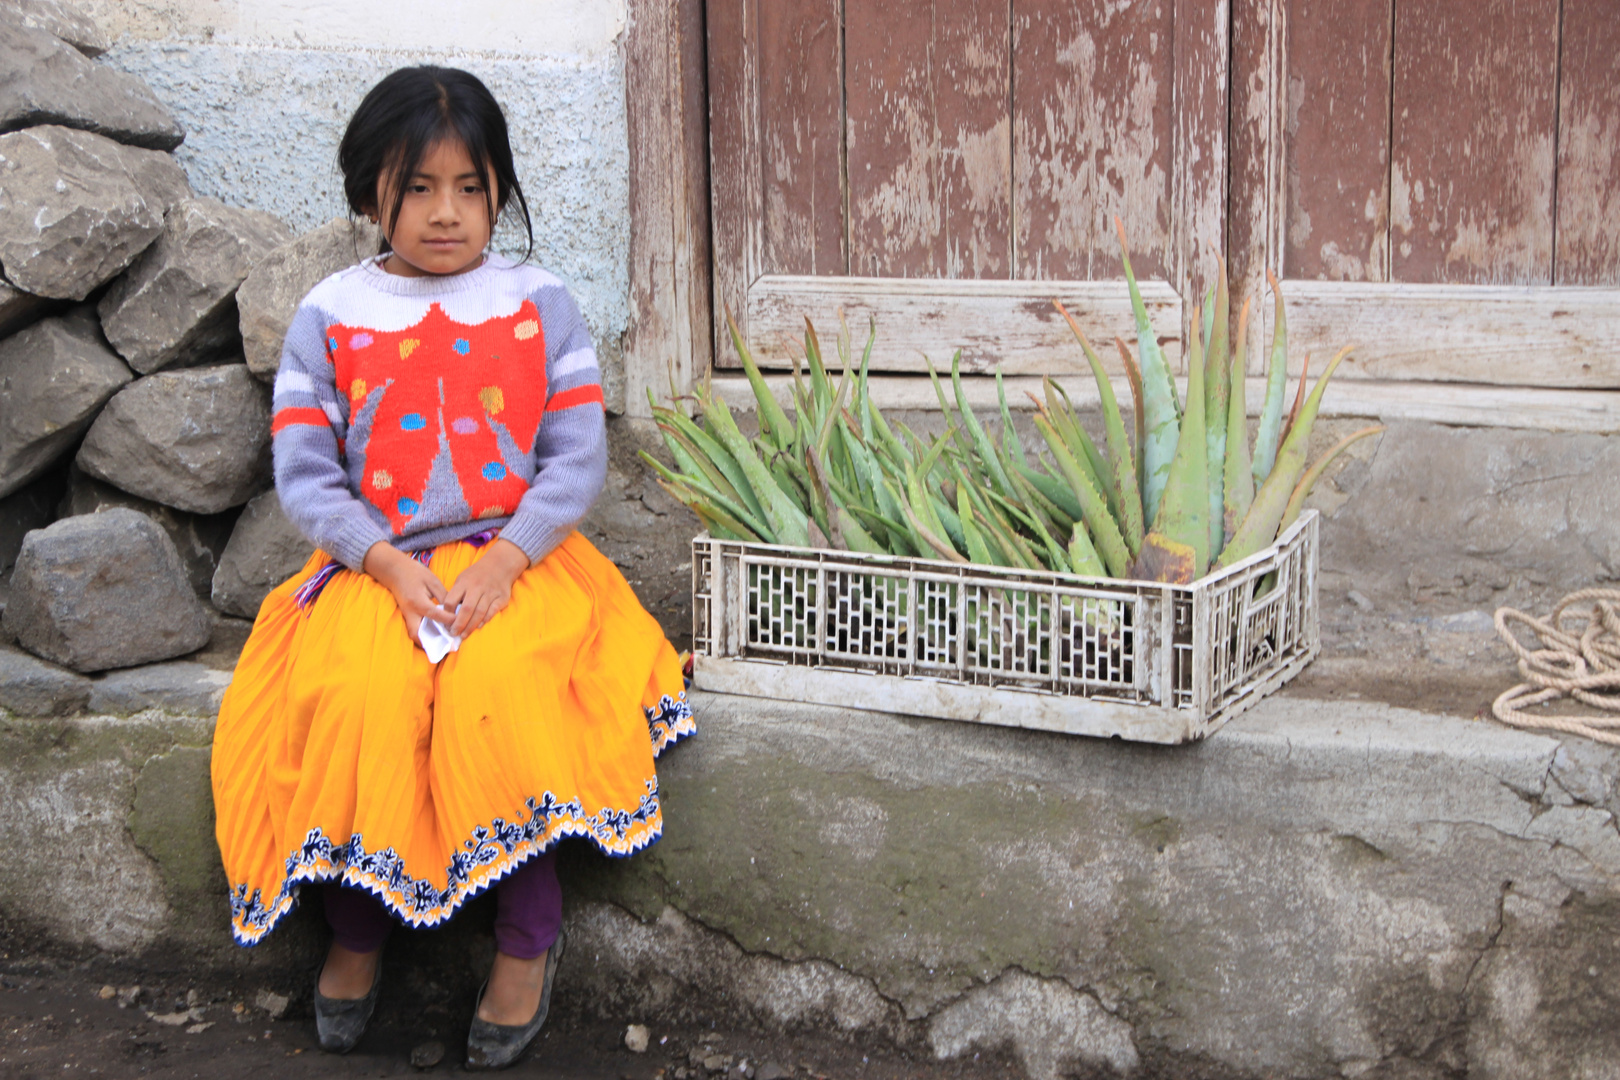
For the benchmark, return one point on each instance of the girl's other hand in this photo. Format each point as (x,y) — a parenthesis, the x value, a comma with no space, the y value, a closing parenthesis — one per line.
(417,590)
(485,587)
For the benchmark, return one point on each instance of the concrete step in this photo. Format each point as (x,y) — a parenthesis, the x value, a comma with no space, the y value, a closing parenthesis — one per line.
(1326,888)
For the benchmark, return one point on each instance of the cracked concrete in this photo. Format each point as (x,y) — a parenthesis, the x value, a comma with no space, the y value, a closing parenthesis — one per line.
(1322,890)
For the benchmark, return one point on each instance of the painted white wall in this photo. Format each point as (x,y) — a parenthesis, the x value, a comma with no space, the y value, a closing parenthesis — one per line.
(555,28)
(265,88)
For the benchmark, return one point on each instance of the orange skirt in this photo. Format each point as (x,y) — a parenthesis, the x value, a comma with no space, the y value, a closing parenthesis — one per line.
(341,753)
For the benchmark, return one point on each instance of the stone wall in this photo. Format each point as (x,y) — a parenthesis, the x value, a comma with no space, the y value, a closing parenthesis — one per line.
(132,431)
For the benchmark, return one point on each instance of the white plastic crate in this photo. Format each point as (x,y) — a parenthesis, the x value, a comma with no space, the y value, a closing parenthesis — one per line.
(1088,656)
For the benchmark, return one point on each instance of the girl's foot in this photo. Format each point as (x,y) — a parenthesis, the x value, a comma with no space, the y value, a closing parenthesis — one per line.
(348,975)
(507,1022)
(345,995)
(513,992)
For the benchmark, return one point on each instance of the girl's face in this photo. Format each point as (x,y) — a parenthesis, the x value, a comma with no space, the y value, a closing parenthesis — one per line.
(443,224)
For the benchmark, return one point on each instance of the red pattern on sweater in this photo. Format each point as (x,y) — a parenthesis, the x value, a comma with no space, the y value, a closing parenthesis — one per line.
(444,376)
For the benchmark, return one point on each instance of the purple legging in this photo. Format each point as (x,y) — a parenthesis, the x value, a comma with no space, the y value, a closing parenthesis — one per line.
(528,912)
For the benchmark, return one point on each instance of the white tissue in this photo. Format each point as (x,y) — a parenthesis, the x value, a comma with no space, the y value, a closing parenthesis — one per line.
(437,640)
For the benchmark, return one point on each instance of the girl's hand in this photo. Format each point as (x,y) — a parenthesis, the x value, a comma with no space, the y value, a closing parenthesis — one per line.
(485,587)
(417,590)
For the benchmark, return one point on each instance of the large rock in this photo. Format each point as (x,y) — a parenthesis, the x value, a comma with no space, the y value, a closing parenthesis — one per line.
(199,539)
(174,306)
(44,80)
(54,377)
(18,308)
(77,207)
(104,591)
(182,687)
(265,550)
(31,687)
(196,440)
(270,295)
(66,21)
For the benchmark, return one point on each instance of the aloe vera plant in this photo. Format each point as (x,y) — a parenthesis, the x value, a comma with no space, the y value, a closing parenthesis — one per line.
(1186,493)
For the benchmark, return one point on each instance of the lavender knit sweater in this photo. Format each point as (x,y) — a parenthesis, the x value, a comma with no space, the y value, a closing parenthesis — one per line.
(417,411)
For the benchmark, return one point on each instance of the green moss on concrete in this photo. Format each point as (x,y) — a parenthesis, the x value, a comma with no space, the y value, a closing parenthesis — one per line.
(928,890)
(172,820)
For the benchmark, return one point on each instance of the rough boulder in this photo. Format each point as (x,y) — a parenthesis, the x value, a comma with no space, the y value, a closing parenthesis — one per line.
(196,439)
(54,377)
(104,591)
(76,208)
(174,306)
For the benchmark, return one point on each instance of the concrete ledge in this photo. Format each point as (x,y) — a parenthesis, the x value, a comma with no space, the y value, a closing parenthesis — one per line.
(1320,890)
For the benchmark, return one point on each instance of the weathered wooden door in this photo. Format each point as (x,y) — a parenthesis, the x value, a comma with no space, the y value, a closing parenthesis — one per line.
(950,166)
(1437,181)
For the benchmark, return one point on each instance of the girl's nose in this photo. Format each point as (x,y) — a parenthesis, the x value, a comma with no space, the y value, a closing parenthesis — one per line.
(443,211)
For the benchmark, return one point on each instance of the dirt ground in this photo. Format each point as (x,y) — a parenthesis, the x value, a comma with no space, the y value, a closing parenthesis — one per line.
(59,1020)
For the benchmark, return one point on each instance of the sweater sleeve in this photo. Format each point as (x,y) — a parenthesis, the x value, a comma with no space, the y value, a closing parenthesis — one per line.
(570,450)
(309,420)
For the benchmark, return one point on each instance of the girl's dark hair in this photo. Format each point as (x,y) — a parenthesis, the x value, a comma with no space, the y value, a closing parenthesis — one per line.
(404,116)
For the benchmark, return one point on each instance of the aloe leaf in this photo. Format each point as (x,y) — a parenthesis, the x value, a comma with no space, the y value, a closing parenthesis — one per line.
(1160,411)
(720,525)
(945,514)
(1055,490)
(856,538)
(1299,398)
(975,430)
(1127,493)
(973,540)
(1083,558)
(1302,490)
(710,512)
(1061,416)
(721,459)
(1110,541)
(693,462)
(1217,391)
(820,390)
(685,460)
(773,421)
(1133,375)
(1039,501)
(1239,480)
(702,490)
(897,536)
(932,539)
(1270,431)
(1009,434)
(1183,518)
(1259,527)
(1019,553)
(1208,324)
(790,523)
(1057,559)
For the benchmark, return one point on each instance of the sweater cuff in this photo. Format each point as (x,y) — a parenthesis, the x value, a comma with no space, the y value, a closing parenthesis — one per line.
(537,538)
(352,539)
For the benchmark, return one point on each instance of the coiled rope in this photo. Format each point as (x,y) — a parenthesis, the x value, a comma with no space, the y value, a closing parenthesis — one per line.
(1579,658)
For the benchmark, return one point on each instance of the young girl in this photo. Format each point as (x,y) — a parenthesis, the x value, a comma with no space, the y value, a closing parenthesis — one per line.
(438,433)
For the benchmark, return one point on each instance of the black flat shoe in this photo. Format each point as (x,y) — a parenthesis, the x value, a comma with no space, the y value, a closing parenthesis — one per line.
(495,1046)
(340,1022)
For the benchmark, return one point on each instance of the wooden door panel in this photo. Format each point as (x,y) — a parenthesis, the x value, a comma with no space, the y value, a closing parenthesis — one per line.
(929,142)
(1588,234)
(919,321)
(1092,135)
(1473,131)
(801,121)
(1337,228)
